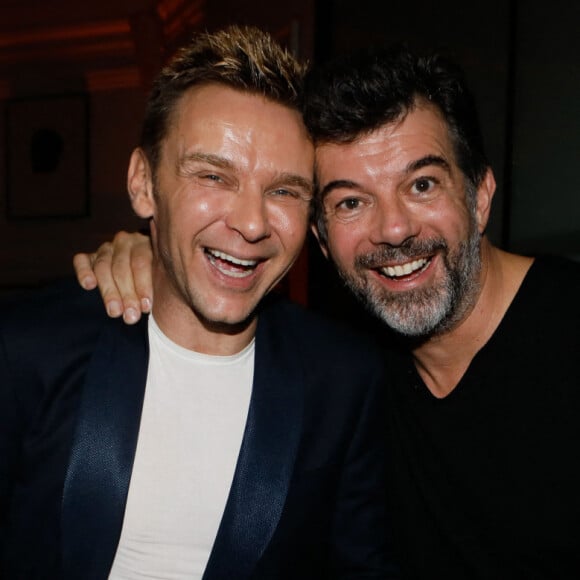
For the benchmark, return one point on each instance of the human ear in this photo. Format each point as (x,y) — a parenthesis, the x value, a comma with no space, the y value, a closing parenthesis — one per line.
(319,239)
(485,193)
(140,184)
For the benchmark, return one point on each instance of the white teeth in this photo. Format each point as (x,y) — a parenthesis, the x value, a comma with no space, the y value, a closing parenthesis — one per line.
(404,269)
(228,264)
(228,258)
(232,274)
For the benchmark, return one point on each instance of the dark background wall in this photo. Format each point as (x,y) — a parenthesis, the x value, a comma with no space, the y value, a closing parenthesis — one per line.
(521,58)
(522,61)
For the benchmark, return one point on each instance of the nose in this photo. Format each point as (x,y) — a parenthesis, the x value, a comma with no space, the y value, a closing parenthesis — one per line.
(248,215)
(392,223)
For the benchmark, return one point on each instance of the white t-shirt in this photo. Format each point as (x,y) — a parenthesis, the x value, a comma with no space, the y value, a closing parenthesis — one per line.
(193,420)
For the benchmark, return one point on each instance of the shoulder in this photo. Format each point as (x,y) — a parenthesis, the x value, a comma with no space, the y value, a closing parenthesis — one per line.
(553,278)
(52,311)
(556,265)
(50,326)
(47,340)
(312,329)
(546,308)
(62,299)
(320,344)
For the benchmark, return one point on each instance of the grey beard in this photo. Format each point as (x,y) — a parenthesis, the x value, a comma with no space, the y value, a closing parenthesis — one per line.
(425,311)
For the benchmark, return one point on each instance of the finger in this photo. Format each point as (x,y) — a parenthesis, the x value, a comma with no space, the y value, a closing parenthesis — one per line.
(84,271)
(141,266)
(107,287)
(123,275)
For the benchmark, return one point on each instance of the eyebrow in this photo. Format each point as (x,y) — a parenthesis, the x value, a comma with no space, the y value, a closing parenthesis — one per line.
(426,161)
(337,184)
(294,180)
(215,160)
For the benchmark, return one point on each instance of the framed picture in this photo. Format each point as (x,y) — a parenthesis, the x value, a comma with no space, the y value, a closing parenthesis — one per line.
(47,157)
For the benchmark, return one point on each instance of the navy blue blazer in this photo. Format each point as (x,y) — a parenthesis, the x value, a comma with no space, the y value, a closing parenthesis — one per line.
(307,499)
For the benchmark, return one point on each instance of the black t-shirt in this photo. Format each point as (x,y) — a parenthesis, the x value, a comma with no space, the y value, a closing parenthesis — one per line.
(486,482)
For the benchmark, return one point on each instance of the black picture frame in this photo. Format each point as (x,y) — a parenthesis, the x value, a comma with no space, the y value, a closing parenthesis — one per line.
(47,160)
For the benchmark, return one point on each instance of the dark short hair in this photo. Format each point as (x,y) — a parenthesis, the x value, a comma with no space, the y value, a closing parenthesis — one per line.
(355,95)
(243,58)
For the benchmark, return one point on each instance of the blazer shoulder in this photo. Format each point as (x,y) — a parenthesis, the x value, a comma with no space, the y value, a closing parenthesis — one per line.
(58,306)
(318,337)
(49,337)
(48,328)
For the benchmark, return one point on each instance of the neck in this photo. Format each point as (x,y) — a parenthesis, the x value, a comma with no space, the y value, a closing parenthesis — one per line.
(184,326)
(205,338)
(443,359)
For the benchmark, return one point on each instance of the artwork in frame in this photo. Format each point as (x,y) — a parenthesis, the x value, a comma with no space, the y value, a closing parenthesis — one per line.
(47,157)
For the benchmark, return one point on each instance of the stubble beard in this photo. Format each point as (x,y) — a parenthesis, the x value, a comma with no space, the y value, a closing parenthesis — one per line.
(422,312)
(174,269)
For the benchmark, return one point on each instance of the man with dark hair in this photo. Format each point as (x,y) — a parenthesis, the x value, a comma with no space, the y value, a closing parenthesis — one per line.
(484,397)
(397,102)
(226,436)
(483,386)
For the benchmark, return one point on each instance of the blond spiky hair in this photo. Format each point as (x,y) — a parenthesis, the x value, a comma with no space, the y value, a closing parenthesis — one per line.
(244,58)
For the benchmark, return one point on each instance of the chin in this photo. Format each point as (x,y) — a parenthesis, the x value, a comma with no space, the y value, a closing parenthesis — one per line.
(228,316)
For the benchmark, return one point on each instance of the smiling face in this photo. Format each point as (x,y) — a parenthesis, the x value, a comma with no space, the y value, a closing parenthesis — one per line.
(229,204)
(401,228)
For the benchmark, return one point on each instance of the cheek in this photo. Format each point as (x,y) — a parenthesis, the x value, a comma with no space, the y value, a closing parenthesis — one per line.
(290,224)
(447,217)
(343,241)
(452,223)
(190,214)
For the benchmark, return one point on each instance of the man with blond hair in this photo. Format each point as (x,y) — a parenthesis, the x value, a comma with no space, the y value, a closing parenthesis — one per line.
(226,436)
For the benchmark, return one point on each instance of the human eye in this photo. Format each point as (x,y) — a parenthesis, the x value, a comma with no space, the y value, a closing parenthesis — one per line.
(211,177)
(283,192)
(344,207)
(348,204)
(423,185)
(291,193)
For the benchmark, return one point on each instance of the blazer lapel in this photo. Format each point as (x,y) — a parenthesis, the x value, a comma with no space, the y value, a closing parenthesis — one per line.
(103,451)
(267,455)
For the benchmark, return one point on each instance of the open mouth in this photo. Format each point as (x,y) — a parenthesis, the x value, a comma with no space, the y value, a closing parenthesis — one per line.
(229,265)
(402,271)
